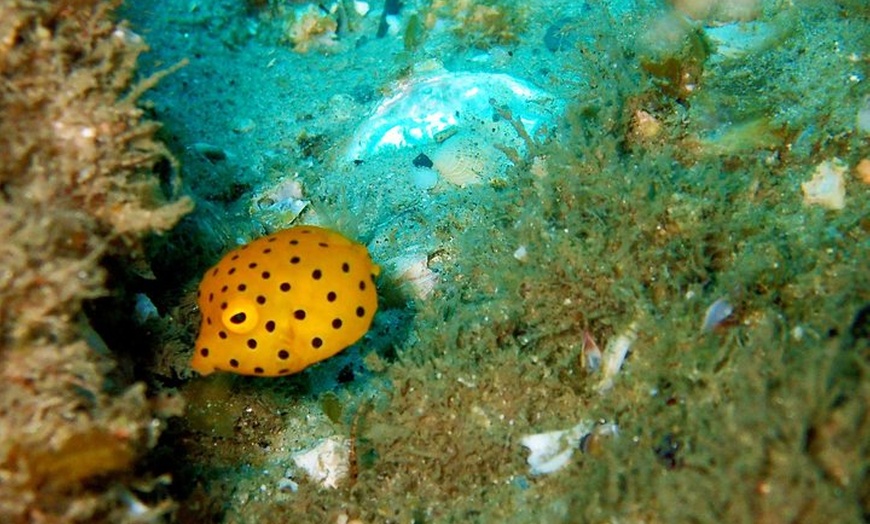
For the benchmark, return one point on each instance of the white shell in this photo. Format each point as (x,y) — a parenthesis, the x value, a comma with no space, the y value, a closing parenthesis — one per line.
(551,451)
(426,106)
(412,272)
(827,187)
(327,463)
(279,203)
(716,314)
(614,355)
(361,8)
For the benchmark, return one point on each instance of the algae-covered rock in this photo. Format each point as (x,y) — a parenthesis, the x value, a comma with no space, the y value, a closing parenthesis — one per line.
(77,184)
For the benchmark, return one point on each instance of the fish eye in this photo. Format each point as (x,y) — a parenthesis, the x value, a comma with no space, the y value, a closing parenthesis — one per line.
(240,316)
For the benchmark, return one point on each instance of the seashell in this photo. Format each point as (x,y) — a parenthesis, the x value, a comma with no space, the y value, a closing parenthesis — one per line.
(464,161)
(614,355)
(591,354)
(361,8)
(280,203)
(593,442)
(827,188)
(430,107)
(716,314)
(412,272)
(327,463)
(551,451)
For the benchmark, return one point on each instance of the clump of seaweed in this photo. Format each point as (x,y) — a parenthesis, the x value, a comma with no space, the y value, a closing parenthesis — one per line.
(311,28)
(77,186)
(481,24)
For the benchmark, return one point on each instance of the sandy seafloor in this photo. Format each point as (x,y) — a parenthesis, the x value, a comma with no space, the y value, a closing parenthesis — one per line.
(262,131)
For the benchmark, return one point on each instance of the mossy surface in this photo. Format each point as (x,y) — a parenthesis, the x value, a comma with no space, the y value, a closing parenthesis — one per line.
(78,193)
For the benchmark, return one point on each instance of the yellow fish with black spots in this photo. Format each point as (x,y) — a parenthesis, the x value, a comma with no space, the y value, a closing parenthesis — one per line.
(284,302)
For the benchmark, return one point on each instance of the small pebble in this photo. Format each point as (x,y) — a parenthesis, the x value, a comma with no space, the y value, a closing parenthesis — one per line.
(243,125)
(422,161)
(862,119)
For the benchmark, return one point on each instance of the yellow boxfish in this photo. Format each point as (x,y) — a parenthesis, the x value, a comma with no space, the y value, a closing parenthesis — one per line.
(284,302)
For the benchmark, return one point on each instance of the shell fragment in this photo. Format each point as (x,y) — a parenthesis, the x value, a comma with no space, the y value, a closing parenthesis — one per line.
(551,451)
(327,463)
(423,109)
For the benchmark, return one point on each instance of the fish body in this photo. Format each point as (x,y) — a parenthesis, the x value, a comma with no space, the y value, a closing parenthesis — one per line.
(284,302)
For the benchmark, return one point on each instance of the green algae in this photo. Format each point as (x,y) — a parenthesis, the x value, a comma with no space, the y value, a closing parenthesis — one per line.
(725,425)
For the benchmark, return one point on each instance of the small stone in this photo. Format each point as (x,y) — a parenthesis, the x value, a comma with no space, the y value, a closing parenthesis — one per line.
(422,161)
(592,355)
(539,167)
(862,119)
(243,125)
(644,125)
